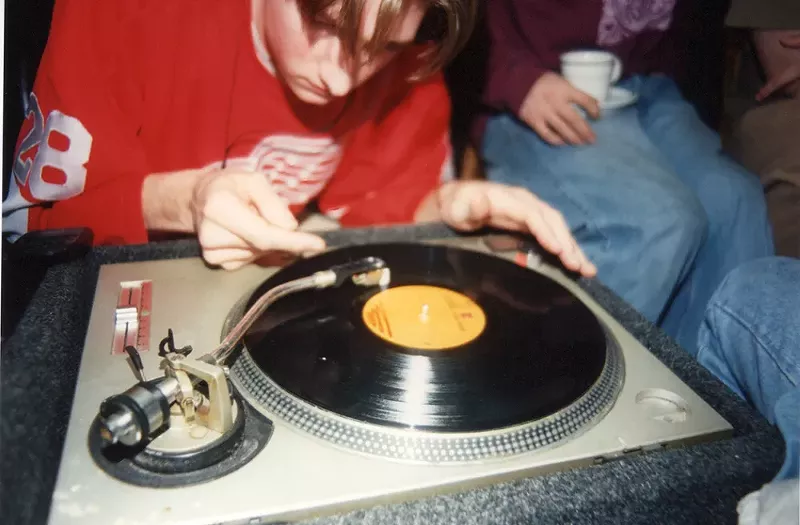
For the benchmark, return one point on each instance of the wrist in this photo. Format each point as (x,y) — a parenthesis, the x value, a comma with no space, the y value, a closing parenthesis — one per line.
(167,200)
(524,81)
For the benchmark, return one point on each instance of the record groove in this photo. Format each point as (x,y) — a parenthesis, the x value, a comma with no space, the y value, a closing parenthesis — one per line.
(539,369)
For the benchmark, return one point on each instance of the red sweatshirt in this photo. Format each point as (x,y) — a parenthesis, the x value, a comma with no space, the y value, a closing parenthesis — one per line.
(129,88)
(528,36)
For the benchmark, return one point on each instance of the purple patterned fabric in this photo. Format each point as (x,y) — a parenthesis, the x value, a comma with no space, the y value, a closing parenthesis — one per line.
(623,19)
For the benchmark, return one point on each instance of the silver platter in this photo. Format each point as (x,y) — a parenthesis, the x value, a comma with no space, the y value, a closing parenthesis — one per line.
(430,447)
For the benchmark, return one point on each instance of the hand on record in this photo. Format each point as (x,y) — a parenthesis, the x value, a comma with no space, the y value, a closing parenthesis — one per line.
(470,205)
(239,219)
(549,109)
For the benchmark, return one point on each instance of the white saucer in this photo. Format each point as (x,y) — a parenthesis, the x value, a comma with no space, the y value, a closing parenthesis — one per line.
(618,98)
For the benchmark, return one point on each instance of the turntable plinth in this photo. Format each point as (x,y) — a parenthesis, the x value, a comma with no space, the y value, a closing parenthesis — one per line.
(690,484)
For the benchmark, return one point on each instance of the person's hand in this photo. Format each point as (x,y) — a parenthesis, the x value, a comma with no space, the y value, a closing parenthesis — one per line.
(779,53)
(470,205)
(238,219)
(549,110)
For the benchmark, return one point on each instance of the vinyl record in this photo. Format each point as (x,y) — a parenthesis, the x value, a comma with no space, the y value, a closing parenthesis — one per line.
(460,341)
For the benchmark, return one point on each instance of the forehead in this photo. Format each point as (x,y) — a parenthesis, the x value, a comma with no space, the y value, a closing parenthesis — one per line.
(401,16)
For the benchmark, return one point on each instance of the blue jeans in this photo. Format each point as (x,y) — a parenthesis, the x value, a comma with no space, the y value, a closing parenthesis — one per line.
(750,339)
(654,203)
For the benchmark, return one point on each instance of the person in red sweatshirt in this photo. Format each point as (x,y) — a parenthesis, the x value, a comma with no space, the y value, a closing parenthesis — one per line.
(227,118)
(640,179)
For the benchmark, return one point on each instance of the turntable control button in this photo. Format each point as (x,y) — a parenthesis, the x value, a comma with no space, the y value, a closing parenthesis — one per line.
(132,317)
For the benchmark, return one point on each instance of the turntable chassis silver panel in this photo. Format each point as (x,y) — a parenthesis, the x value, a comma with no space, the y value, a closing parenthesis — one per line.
(297,476)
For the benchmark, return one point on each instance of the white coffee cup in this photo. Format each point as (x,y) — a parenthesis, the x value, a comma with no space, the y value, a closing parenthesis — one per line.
(593,72)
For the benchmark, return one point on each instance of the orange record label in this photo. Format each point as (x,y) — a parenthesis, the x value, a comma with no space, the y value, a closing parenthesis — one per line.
(424,317)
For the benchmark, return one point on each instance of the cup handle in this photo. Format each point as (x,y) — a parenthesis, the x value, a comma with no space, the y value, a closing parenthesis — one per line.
(616,71)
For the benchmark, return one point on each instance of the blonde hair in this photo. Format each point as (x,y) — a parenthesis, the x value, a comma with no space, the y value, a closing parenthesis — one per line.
(446,27)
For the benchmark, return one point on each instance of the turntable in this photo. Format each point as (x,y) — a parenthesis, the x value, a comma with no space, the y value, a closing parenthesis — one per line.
(363,375)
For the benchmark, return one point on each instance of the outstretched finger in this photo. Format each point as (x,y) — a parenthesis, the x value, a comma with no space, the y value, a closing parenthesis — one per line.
(572,257)
(578,124)
(512,209)
(220,256)
(232,214)
(569,253)
(244,222)
(212,236)
(547,134)
(295,242)
(564,129)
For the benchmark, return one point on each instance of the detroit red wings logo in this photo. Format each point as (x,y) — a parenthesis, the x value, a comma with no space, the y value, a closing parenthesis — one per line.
(298,167)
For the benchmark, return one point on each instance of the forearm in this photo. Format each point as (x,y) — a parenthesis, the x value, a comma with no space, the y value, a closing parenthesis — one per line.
(167,200)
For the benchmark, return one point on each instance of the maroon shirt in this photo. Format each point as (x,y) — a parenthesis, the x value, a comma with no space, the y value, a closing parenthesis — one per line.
(527,37)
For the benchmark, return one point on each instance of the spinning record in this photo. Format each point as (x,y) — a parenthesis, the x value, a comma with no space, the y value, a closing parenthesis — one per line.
(460,341)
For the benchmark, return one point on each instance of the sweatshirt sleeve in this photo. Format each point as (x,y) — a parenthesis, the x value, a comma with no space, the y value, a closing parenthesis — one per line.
(78,161)
(513,65)
(394,161)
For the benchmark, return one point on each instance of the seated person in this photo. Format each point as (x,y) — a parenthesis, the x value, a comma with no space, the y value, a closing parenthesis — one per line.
(226,119)
(750,339)
(765,138)
(644,188)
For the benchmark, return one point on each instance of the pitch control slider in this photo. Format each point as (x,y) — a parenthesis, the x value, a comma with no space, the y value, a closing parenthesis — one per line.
(132,317)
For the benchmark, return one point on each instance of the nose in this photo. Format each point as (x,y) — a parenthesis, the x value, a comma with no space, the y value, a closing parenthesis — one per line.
(334,72)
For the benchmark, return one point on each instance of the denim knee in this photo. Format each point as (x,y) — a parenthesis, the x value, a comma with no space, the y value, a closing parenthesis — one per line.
(681,219)
(751,294)
(767,279)
(742,197)
(750,338)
